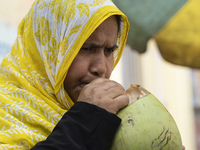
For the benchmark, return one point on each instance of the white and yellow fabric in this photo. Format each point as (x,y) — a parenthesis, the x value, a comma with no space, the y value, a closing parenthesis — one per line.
(32,95)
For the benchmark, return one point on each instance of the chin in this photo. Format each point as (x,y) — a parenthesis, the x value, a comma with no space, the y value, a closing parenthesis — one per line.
(75,97)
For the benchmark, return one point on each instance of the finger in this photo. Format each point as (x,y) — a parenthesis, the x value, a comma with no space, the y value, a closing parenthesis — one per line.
(99,80)
(102,83)
(119,103)
(107,84)
(116,91)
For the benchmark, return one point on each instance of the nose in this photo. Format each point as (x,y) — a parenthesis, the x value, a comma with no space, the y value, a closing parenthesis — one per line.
(98,64)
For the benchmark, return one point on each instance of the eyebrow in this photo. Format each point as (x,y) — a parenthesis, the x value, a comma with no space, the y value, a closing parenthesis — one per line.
(115,47)
(96,45)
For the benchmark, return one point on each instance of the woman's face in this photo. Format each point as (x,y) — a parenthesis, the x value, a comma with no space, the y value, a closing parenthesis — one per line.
(94,60)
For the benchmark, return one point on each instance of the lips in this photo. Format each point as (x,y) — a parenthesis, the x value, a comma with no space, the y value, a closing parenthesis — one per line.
(84,82)
(81,85)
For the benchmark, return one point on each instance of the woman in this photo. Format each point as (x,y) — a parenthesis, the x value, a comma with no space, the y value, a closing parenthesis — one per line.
(54,86)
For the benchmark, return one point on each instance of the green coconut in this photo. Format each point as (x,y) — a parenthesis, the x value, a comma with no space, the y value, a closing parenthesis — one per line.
(146,124)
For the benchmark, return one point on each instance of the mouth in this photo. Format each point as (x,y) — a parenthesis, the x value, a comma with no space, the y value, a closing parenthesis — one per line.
(77,90)
(81,85)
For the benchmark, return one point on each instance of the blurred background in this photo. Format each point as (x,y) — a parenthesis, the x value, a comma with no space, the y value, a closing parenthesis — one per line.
(176,85)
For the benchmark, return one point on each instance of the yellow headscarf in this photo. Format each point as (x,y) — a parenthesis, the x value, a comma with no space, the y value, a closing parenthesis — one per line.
(32,95)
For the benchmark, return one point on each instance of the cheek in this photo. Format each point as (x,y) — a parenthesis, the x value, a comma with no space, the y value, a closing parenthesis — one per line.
(110,64)
(76,72)
(77,68)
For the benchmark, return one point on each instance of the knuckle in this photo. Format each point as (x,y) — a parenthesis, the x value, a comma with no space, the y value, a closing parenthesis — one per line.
(95,90)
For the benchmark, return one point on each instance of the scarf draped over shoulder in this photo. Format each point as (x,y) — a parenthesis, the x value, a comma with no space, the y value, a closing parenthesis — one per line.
(32,95)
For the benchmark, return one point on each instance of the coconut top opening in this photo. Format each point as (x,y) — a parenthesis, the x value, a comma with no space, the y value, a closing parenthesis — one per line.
(135,92)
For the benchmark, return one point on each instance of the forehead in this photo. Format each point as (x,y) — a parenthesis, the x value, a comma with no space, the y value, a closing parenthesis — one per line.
(106,33)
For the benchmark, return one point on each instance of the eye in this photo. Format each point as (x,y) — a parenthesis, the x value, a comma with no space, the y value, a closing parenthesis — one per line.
(89,49)
(110,50)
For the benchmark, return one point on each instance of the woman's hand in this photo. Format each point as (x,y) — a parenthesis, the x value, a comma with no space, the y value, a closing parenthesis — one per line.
(104,93)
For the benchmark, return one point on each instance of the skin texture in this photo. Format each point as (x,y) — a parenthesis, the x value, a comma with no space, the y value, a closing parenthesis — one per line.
(88,76)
